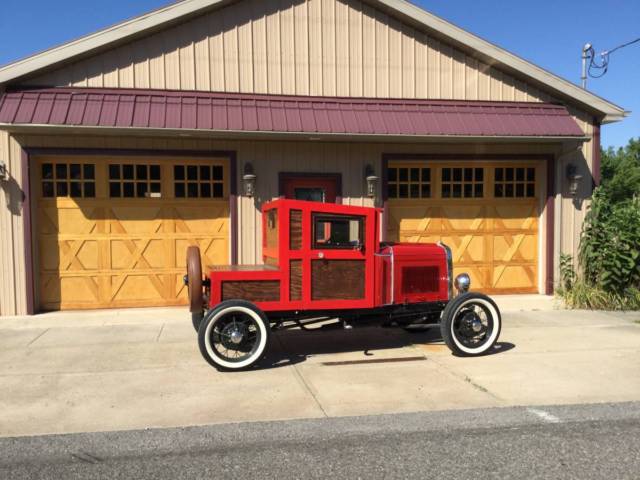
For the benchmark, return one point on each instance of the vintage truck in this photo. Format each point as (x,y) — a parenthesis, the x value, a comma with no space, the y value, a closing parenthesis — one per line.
(325,263)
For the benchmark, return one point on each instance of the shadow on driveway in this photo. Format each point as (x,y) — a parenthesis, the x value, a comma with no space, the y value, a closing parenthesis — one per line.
(291,347)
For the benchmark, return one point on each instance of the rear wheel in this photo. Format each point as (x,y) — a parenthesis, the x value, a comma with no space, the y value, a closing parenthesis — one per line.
(194,286)
(234,335)
(471,324)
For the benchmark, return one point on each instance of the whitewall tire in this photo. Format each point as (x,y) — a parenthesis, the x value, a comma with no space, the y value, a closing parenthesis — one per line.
(471,324)
(234,335)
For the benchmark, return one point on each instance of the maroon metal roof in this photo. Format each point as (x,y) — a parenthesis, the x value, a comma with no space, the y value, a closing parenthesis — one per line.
(89,107)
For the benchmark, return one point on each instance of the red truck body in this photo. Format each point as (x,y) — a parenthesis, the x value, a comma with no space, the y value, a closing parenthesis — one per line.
(320,257)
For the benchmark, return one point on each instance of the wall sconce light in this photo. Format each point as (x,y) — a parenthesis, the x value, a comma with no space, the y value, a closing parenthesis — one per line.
(249,180)
(372,181)
(574,179)
(4,175)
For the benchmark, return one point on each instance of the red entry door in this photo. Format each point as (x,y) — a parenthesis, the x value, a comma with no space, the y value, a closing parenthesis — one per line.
(317,188)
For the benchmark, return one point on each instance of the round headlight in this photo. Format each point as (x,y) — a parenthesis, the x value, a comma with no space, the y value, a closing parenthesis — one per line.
(462,282)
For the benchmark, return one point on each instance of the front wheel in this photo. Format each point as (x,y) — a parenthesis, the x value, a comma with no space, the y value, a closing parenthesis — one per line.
(470,324)
(234,335)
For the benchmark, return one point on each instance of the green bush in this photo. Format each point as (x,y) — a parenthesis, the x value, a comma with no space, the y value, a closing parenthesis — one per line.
(610,244)
(609,255)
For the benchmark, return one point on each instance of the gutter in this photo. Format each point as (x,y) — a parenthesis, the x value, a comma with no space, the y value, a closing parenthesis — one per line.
(296,136)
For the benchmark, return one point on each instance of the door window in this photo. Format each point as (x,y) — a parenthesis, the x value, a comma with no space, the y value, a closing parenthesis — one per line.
(337,232)
(309,194)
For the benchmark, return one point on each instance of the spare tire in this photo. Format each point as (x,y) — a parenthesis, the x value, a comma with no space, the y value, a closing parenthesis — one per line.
(194,280)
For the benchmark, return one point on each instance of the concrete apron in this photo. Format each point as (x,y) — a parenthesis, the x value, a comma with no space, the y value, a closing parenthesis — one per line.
(93,371)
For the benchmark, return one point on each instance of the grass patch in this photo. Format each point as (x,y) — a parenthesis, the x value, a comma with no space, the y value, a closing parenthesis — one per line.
(587,297)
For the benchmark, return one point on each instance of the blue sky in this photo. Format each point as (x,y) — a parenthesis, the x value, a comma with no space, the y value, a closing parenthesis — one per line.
(549,33)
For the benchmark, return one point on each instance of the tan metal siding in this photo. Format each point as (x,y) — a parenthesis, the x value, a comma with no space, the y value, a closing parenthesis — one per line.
(12,271)
(317,47)
(269,158)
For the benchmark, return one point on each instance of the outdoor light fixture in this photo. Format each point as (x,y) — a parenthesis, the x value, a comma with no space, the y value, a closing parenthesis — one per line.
(372,181)
(3,171)
(574,179)
(249,180)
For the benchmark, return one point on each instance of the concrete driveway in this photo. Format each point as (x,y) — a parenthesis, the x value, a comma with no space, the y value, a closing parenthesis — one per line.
(119,370)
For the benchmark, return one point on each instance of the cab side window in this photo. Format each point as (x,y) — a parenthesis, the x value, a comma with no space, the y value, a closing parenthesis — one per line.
(337,231)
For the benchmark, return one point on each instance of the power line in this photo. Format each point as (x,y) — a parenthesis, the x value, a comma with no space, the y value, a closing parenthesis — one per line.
(595,68)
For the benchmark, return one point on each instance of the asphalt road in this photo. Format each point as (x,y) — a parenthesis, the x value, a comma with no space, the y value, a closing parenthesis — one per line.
(581,442)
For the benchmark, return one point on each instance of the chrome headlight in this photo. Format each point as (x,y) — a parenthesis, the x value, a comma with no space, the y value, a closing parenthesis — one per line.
(462,283)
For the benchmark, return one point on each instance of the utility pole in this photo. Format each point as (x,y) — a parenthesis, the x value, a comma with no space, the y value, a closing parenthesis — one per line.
(585,51)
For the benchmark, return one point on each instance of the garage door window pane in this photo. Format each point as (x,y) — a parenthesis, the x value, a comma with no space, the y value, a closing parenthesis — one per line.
(114,172)
(47,189)
(61,189)
(462,183)
(134,181)
(75,171)
(76,190)
(47,171)
(127,172)
(141,190)
(198,181)
(408,182)
(141,172)
(89,190)
(127,189)
(114,190)
(61,170)
(89,171)
(61,179)
(515,182)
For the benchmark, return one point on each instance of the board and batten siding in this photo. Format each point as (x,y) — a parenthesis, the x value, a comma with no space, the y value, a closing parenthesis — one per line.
(268,158)
(313,47)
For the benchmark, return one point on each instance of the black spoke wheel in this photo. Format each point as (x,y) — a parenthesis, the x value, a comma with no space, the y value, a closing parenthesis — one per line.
(234,335)
(470,324)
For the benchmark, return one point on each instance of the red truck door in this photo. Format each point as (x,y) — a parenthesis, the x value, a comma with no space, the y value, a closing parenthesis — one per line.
(341,261)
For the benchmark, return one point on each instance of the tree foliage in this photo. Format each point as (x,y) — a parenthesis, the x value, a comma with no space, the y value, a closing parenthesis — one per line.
(621,171)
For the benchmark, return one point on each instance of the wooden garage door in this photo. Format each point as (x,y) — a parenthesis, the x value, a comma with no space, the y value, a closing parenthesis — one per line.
(113,232)
(487,212)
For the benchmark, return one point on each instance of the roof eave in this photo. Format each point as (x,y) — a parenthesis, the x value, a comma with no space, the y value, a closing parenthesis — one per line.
(296,136)
(617,117)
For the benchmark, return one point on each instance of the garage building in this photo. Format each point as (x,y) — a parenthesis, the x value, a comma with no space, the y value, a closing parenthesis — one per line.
(126,146)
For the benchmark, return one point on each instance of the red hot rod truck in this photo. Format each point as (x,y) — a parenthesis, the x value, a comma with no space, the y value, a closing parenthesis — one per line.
(325,261)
